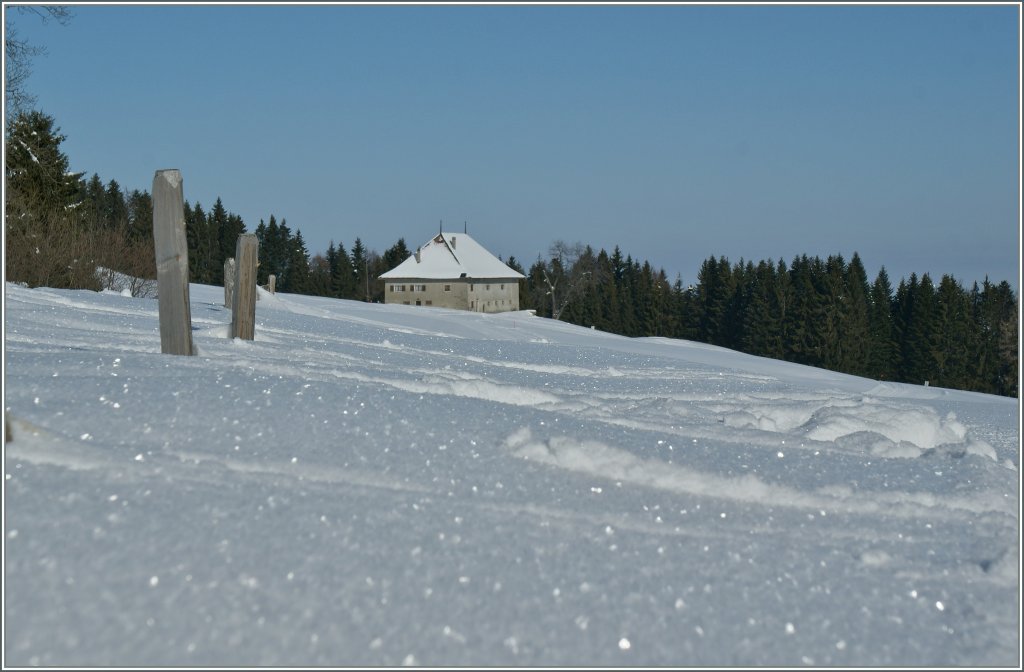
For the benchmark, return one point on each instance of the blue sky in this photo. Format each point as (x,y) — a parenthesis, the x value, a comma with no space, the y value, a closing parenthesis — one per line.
(676,132)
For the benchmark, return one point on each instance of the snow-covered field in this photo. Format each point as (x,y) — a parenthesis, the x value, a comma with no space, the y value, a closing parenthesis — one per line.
(390,485)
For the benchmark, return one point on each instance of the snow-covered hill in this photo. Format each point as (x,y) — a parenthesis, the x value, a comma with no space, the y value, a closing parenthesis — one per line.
(391,485)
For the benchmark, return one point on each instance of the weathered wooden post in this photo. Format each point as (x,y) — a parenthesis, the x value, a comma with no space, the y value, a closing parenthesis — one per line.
(272,283)
(171,263)
(229,280)
(243,303)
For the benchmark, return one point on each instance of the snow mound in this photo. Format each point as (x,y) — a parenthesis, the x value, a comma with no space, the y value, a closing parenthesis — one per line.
(862,425)
(894,431)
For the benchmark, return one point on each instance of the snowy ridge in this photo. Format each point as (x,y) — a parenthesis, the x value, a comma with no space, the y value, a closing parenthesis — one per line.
(388,485)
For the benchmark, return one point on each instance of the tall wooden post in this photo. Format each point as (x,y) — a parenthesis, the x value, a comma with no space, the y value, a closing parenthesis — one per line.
(229,280)
(171,263)
(272,283)
(243,303)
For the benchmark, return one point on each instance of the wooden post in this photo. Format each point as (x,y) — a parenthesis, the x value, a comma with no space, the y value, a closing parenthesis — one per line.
(272,283)
(171,263)
(243,303)
(229,280)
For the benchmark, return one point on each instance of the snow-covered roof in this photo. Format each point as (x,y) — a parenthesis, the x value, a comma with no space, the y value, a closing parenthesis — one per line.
(449,256)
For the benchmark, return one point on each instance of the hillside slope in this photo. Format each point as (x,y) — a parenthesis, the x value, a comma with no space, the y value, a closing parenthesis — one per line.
(390,485)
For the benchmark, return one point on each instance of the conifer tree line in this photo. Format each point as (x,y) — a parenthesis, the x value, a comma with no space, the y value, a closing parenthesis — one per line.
(823,313)
(61,226)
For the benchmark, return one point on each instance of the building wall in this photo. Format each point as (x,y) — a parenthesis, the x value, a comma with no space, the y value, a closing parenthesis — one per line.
(493,296)
(481,296)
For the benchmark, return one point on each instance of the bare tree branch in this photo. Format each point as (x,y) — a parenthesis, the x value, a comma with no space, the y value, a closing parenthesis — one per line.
(19,53)
(571,271)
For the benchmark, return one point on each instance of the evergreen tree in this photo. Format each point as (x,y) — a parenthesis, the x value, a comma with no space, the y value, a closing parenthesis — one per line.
(625,272)
(92,201)
(201,227)
(683,304)
(272,251)
(902,309)
(666,322)
(115,210)
(741,282)
(38,183)
(1008,343)
(227,227)
(780,298)
(319,276)
(514,264)
(263,238)
(711,298)
(360,271)
(995,310)
(217,231)
(395,255)
(44,244)
(605,309)
(537,295)
(331,259)
(140,215)
(882,351)
(762,328)
(831,288)
(855,324)
(954,334)
(343,280)
(644,306)
(805,316)
(917,330)
(295,277)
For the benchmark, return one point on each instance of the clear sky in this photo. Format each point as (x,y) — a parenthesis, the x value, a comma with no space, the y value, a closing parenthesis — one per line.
(676,132)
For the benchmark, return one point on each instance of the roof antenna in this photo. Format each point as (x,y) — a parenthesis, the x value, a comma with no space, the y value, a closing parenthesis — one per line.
(440,225)
(465,227)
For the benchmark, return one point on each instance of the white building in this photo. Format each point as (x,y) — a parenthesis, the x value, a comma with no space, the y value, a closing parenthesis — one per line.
(453,271)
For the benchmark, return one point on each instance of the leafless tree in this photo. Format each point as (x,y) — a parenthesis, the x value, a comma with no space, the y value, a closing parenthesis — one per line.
(571,271)
(19,53)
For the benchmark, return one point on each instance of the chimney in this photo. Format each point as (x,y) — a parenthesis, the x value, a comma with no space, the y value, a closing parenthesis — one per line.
(453,242)
(417,255)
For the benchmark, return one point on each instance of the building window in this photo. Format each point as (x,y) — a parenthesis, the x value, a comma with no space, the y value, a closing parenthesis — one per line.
(419,288)
(471,287)
(488,288)
(503,286)
(418,302)
(405,303)
(447,288)
(429,302)
(397,288)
